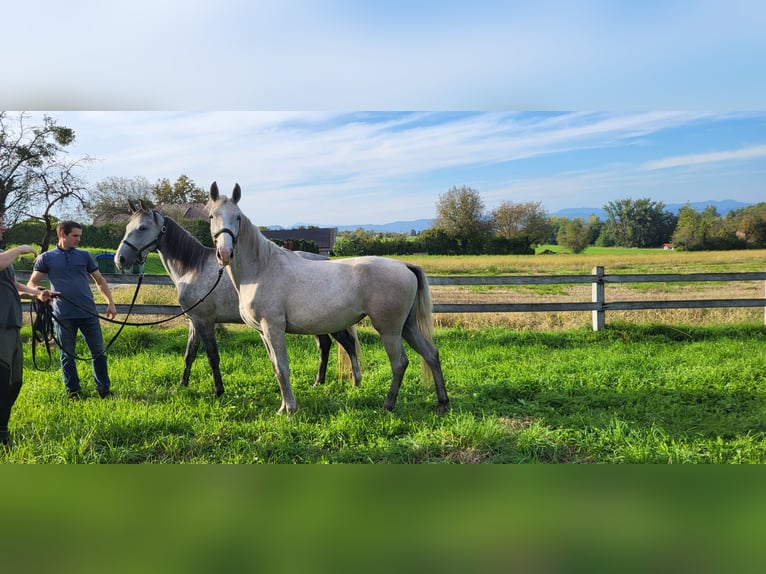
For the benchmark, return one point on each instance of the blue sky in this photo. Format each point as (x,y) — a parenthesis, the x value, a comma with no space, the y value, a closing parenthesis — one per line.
(660,99)
(377,167)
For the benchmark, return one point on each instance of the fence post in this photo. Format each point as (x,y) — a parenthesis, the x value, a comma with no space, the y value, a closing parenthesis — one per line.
(597,297)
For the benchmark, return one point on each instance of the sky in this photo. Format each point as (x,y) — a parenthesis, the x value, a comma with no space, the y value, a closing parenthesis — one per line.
(344,112)
(342,168)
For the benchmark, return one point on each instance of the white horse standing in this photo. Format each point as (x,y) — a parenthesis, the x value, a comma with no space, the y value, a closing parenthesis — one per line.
(280,293)
(194,270)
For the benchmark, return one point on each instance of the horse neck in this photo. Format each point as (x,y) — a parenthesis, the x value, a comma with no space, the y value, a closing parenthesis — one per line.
(180,251)
(253,250)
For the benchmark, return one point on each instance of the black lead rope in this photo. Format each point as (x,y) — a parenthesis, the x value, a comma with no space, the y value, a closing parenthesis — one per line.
(41,318)
(42,323)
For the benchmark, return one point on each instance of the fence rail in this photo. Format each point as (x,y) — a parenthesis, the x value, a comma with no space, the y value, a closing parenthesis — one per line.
(598,305)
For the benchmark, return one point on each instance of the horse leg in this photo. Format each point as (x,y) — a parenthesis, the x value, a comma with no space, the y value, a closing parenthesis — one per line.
(323,344)
(399,361)
(213,358)
(192,344)
(350,343)
(430,354)
(276,344)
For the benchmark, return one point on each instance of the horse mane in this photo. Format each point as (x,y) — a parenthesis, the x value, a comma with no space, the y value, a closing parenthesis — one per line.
(183,248)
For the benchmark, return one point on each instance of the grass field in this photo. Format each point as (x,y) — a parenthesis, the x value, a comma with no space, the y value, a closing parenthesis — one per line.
(656,394)
(661,389)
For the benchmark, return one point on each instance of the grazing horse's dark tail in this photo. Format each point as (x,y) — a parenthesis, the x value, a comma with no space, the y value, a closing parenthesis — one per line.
(344,361)
(423,307)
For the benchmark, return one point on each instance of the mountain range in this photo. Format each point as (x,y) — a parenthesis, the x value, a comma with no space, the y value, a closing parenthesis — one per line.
(723,207)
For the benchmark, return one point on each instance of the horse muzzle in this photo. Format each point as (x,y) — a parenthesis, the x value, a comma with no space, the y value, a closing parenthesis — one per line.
(224,255)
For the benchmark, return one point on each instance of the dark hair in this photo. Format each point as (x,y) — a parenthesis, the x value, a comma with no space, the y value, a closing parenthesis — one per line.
(67,226)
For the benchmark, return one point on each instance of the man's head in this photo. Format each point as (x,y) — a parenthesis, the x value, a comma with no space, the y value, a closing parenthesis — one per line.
(69,234)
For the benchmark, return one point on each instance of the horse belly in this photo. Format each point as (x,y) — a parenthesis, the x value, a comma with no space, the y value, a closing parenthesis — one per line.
(320,323)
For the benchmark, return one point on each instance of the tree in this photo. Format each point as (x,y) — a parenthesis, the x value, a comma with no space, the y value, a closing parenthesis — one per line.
(55,186)
(574,235)
(108,201)
(749,223)
(460,213)
(639,223)
(517,220)
(184,190)
(26,151)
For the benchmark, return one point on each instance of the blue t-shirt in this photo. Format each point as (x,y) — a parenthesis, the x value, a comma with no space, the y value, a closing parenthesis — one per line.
(69,273)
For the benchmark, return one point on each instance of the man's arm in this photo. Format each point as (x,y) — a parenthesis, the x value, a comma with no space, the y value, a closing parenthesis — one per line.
(32,292)
(8,257)
(103,288)
(35,278)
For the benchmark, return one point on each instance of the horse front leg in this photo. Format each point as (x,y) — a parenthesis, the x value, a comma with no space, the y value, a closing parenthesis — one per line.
(276,344)
(192,345)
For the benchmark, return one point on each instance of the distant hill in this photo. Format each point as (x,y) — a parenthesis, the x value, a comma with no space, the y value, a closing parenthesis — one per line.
(393,227)
(723,207)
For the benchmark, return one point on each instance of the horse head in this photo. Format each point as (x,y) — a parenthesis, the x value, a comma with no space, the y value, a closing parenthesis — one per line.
(225,221)
(143,232)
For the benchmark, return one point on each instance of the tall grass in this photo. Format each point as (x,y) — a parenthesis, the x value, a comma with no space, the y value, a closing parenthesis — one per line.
(651,393)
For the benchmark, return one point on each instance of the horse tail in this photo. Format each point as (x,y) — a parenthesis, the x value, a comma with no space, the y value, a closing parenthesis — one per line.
(344,361)
(423,307)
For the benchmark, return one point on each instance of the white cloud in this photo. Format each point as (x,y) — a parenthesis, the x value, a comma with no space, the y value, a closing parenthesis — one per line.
(706,158)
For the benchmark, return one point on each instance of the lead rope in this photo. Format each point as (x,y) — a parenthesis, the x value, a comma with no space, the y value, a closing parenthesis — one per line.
(45,332)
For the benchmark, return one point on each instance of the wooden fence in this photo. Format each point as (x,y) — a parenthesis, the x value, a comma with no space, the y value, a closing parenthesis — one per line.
(598,305)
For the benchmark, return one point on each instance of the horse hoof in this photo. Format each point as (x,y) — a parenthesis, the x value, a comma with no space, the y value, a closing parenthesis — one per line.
(218,393)
(442,409)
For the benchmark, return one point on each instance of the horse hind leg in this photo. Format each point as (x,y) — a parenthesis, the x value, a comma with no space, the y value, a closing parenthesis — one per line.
(323,345)
(213,358)
(399,361)
(429,355)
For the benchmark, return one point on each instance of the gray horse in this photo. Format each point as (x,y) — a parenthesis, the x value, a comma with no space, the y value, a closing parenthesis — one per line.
(194,270)
(280,292)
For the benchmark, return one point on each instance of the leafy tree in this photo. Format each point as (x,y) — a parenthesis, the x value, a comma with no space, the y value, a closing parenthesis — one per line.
(595,227)
(460,214)
(639,223)
(437,241)
(574,234)
(26,152)
(748,223)
(184,190)
(516,220)
(108,201)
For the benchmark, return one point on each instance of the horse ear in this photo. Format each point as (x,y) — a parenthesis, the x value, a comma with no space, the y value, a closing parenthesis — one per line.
(132,206)
(141,205)
(214,191)
(236,194)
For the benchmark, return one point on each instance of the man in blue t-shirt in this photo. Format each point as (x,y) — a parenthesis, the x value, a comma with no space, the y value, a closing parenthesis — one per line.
(69,271)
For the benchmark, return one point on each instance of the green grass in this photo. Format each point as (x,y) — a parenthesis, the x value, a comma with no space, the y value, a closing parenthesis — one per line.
(630,394)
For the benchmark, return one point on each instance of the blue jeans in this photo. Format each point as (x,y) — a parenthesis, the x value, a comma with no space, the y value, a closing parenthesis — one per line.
(90,328)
